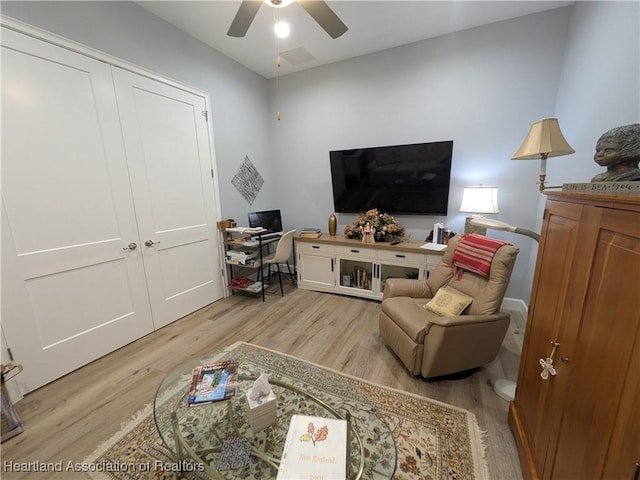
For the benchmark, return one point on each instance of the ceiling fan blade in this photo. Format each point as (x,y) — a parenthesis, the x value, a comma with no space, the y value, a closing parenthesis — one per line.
(326,18)
(241,22)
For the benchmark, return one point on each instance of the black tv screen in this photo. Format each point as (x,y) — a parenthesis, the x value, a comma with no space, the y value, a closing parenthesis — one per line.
(400,179)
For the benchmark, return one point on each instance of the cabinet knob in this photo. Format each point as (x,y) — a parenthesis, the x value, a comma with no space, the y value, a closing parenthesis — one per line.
(131,246)
(564,359)
(151,243)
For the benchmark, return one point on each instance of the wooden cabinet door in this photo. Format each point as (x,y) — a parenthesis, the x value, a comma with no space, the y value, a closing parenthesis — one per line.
(538,401)
(609,320)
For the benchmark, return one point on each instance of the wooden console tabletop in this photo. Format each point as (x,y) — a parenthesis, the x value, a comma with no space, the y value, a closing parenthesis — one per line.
(407,246)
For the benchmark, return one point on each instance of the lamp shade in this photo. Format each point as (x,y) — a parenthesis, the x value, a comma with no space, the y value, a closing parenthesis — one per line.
(543,140)
(480,199)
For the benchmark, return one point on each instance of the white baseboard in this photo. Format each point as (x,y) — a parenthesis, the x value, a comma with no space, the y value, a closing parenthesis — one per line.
(515,304)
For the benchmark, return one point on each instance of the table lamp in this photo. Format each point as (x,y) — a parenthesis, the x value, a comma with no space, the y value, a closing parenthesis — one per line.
(544,140)
(478,200)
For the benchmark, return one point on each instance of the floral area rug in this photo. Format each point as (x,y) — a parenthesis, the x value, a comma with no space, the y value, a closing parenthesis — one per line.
(404,436)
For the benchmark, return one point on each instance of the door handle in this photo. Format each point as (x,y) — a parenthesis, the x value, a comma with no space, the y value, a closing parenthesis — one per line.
(131,246)
(547,364)
(151,243)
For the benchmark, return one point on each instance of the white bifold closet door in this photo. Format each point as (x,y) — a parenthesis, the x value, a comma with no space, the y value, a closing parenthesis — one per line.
(167,143)
(92,169)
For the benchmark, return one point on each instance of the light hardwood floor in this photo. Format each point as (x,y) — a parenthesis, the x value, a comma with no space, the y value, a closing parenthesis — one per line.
(68,418)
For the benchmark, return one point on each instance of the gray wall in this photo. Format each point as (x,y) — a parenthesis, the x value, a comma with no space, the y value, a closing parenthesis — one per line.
(600,82)
(481,88)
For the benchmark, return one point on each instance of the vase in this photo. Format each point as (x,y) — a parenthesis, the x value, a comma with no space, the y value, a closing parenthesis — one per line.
(333,225)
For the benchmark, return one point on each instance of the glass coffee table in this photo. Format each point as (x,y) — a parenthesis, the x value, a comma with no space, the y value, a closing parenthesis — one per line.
(196,435)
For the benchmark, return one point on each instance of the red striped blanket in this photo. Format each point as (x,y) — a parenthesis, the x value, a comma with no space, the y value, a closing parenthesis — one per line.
(475,253)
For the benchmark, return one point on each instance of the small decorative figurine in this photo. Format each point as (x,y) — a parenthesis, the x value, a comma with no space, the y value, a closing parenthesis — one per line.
(619,151)
(368,233)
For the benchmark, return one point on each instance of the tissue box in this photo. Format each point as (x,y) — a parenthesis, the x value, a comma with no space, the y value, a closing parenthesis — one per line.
(262,413)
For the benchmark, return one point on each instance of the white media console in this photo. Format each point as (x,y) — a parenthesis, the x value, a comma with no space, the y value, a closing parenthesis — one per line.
(350,267)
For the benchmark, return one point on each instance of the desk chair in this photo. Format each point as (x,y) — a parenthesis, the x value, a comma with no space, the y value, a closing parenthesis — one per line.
(282,254)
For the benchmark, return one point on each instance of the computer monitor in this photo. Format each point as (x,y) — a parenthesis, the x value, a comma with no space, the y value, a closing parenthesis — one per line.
(271,220)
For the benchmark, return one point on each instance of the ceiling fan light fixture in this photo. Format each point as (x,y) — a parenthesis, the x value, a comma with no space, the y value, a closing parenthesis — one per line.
(278,3)
(282,29)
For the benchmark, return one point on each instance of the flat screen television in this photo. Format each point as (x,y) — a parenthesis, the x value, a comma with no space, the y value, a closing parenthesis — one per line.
(399,179)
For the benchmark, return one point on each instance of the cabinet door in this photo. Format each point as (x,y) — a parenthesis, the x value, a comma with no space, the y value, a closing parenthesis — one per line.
(316,266)
(398,270)
(167,143)
(72,289)
(357,276)
(538,402)
(399,264)
(609,320)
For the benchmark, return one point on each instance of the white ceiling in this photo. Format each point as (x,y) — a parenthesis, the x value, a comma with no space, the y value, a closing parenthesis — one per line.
(373,26)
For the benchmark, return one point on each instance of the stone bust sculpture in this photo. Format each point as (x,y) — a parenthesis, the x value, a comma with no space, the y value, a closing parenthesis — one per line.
(619,151)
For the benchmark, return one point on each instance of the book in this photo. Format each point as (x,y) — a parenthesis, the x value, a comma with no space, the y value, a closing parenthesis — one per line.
(315,447)
(251,230)
(255,287)
(214,382)
(310,232)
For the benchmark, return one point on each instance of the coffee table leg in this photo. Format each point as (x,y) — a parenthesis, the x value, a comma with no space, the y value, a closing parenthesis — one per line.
(176,436)
(349,437)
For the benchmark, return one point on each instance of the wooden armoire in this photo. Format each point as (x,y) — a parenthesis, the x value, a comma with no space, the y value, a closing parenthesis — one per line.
(583,422)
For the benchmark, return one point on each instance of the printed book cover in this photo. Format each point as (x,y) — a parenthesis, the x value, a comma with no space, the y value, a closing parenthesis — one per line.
(315,447)
(215,382)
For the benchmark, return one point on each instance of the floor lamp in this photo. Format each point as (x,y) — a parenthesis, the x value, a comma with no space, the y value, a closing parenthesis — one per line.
(504,388)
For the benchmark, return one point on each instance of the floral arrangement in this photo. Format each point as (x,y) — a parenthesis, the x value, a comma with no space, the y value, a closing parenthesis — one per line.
(386,227)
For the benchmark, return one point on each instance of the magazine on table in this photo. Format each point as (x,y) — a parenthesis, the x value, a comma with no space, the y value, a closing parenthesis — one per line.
(214,382)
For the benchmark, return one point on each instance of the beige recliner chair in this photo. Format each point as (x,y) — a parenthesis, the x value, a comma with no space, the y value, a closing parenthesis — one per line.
(432,345)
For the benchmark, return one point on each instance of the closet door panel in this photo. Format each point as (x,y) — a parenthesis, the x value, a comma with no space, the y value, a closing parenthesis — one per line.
(167,142)
(72,290)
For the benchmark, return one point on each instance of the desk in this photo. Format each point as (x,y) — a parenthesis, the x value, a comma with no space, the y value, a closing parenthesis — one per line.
(245,253)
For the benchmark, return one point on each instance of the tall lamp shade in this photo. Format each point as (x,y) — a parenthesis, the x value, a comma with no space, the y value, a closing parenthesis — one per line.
(544,140)
(478,200)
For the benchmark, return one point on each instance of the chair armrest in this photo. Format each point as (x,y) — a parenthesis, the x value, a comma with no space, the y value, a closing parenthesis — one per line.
(406,287)
(467,319)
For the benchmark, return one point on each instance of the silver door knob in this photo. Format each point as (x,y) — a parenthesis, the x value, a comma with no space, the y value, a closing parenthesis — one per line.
(131,246)
(151,243)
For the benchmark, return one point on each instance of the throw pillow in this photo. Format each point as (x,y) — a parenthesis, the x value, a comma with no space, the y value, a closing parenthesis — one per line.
(448,302)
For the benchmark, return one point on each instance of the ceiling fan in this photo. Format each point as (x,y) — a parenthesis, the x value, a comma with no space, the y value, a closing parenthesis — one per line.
(319,10)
